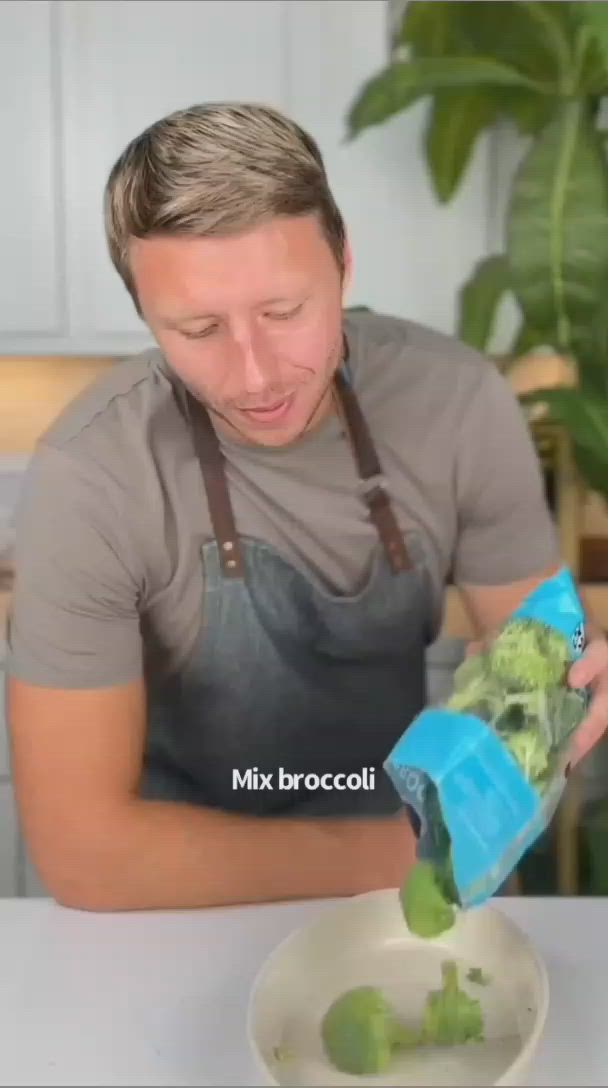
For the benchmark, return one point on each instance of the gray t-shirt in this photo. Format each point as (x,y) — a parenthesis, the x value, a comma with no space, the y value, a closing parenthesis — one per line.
(113,512)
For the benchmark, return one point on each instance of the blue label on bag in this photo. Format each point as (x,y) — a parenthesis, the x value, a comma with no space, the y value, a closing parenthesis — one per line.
(488,806)
(557,604)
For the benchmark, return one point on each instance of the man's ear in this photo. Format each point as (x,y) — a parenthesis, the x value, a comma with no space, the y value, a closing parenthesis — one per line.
(347,277)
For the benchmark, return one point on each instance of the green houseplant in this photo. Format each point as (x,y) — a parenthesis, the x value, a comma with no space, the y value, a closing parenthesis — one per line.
(542,67)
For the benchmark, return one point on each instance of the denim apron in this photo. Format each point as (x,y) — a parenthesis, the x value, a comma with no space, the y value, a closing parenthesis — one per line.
(287,678)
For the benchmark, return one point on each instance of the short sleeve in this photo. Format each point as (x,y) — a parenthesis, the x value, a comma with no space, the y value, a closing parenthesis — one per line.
(73,617)
(506,531)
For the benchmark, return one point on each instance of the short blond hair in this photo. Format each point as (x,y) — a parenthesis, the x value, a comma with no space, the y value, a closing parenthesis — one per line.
(216,169)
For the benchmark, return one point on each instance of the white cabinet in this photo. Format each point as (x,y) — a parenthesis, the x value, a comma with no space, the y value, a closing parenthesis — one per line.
(31,224)
(80,78)
(124,64)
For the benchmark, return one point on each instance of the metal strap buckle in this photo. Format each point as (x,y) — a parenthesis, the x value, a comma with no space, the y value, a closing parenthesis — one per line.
(374,491)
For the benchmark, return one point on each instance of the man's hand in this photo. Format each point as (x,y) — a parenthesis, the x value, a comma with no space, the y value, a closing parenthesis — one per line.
(490,606)
(591,670)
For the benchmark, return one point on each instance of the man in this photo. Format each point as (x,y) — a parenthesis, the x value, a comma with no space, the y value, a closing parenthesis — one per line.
(231,551)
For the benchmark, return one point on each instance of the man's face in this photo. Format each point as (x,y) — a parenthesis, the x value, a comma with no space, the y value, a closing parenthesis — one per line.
(252,323)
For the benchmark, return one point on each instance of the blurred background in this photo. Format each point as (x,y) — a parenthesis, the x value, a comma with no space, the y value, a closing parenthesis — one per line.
(466,146)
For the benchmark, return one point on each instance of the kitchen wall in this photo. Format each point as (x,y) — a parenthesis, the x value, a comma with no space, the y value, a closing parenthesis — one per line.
(79,78)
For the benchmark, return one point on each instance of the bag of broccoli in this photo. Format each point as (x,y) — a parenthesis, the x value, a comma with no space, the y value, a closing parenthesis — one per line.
(484,772)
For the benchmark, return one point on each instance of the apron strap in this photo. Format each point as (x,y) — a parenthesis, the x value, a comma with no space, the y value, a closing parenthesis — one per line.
(370,471)
(213,467)
(375,496)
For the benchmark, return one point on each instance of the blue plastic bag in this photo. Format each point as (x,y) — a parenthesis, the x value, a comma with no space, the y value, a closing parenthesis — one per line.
(485,771)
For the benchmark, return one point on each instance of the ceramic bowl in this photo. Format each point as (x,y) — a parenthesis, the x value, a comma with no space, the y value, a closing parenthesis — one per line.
(365,940)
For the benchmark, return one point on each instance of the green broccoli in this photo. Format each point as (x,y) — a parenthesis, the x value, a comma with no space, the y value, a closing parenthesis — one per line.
(470,684)
(451,1016)
(476,975)
(361,1031)
(283,1054)
(528,748)
(528,656)
(475,690)
(426,909)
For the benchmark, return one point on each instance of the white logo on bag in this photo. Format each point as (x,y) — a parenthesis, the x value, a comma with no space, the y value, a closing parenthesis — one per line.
(578,639)
(413,783)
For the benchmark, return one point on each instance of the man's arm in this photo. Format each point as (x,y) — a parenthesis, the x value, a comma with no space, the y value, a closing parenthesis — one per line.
(507,540)
(77,757)
(77,717)
(488,607)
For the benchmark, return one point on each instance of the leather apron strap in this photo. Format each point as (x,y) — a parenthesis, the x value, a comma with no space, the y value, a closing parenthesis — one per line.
(370,472)
(375,496)
(213,467)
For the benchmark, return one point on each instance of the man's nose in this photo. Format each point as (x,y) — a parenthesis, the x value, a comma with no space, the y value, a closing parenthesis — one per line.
(254,364)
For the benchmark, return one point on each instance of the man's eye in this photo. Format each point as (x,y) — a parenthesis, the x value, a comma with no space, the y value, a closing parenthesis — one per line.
(283,315)
(200,334)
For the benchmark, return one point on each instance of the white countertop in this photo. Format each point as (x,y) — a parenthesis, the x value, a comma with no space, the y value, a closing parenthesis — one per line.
(160,998)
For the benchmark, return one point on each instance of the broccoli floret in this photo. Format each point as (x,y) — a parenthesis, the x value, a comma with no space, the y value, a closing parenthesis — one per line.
(283,1054)
(476,975)
(470,683)
(475,690)
(451,1016)
(423,901)
(528,749)
(361,1031)
(528,656)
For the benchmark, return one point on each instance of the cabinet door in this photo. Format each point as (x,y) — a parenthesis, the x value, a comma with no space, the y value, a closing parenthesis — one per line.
(32,281)
(125,64)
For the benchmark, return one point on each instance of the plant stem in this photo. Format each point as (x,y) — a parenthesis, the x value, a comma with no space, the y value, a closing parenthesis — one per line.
(572,113)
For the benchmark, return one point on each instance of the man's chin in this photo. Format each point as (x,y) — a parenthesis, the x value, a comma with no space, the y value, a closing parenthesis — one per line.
(280,427)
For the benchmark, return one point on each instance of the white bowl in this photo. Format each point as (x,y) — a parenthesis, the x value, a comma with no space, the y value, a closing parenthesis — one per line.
(365,940)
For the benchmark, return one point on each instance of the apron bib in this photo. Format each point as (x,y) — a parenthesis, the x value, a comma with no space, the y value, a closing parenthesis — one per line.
(286,678)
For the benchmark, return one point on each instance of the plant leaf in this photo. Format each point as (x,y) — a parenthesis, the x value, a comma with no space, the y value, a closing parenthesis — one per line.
(557,226)
(584,416)
(433,28)
(457,118)
(593,469)
(479,300)
(592,17)
(404,82)
(510,35)
(547,26)
(529,111)
(591,349)
(528,35)
(526,339)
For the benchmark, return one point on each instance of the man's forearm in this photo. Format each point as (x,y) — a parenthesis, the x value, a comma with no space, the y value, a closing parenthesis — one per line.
(157,855)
